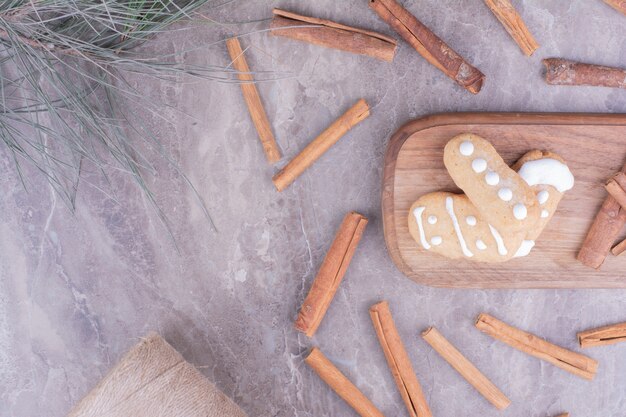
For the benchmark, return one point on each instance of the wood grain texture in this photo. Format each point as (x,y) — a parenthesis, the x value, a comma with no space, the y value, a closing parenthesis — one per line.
(334,35)
(253,101)
(594,147)
(514,25)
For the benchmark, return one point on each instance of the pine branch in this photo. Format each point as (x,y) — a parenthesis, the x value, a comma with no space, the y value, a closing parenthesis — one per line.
(62,79)
(35,44)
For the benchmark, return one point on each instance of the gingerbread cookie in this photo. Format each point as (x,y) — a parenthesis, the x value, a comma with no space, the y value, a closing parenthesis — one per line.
(499,193)
(451,225)
(549,177)
(456,225)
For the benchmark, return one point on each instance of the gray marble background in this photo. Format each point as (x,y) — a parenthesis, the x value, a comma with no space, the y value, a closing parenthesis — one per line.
(78,289)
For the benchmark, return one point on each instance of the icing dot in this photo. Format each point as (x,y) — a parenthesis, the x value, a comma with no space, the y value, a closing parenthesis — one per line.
(543,196)
(471,220)
(492,178)
(545,213)
(436,240)
(519,211)
(505,194)
(481,245)
(466,148)
(432,219)
(479,165)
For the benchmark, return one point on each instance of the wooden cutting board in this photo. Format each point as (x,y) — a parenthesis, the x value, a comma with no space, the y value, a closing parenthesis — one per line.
(594,146)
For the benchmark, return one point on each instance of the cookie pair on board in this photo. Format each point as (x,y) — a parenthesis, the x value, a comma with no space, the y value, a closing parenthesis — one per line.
(504,209)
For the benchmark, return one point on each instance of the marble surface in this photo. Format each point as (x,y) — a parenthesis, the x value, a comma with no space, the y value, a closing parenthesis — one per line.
(78,289)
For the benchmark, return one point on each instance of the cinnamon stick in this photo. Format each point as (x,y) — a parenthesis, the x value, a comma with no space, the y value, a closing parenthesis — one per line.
(563,415)
(616,191)
(619,248)
(253,101)
(620,178)
(398,361)
(573,362)
(340,384)
(314,150)
(602,336)
(619,5)
(333,35)
(330,273)
(605,228)
(514,25)
(429,45)
(564,72)
(467,369)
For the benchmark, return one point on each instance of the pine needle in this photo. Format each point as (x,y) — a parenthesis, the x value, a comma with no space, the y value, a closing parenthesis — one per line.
(62,77)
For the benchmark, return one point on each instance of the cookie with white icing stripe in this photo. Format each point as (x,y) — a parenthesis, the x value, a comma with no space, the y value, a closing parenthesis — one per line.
(549,177)
(497,191)
(455,225)
(451,225)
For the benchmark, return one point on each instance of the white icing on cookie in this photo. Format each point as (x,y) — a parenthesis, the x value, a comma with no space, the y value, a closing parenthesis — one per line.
(547,171)
(418,218)
(505,194)
(481,245)
(545,213)
(466,148)
(520,211)
(499,241)
(432,219)
(470,220)
(436,240)
(525,248)
(543,196)
(492,178)
(457,228)
(479,165)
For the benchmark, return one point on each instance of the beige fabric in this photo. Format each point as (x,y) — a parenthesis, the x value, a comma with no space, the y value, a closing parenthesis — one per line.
(153,380)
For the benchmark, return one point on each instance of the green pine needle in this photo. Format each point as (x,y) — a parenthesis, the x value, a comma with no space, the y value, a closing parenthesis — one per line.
(62,67)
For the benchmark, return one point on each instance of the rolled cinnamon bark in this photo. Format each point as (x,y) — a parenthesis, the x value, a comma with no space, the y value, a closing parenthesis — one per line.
(340,384)
(602,336)
(333,35)
(467,369)
(253,101)
(331,273)
(615,188)
(619,248)
(605,228)
(398,361)
(573,362)
(514,25)
(619,5)
(564,72)
(314,150)
(429,45)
